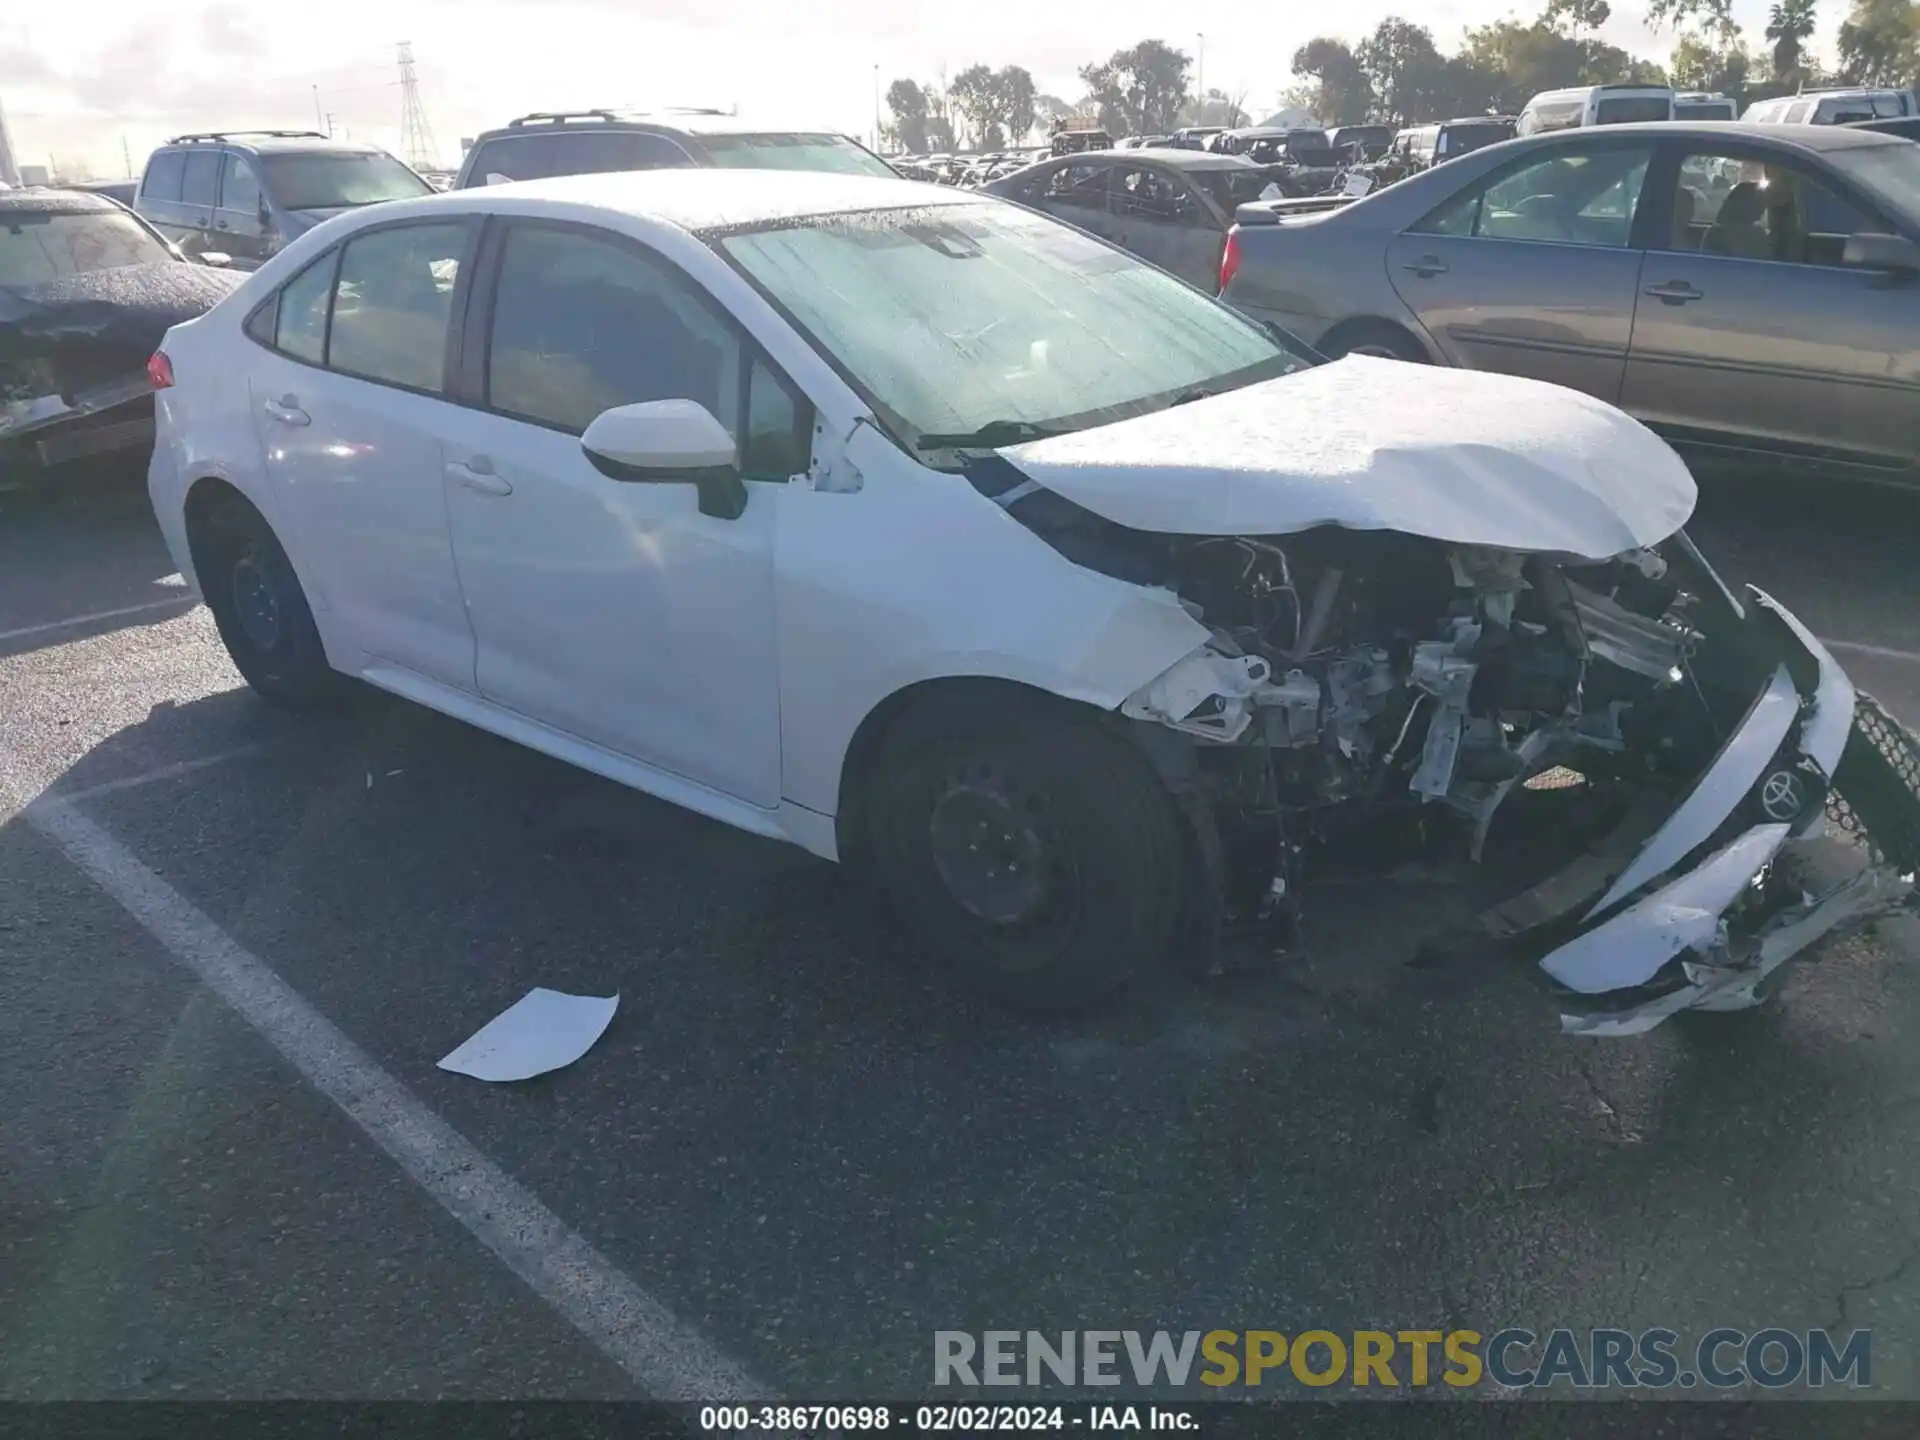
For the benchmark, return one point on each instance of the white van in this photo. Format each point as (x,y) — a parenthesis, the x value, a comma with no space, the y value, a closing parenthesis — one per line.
(1595,105)
(1833,107)
(1699,105)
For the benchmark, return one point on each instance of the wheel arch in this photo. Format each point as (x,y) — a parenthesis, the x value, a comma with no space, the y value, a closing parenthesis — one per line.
(1356,326)
(981,692)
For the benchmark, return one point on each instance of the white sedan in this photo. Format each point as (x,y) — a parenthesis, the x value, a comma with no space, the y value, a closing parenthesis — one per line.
(923,531)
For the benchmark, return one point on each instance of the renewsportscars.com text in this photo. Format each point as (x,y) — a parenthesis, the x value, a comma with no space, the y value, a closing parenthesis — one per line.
(1396,1359)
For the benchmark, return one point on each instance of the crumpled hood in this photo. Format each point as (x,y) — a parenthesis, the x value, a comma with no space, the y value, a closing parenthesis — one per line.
(1370,444)
(127,306)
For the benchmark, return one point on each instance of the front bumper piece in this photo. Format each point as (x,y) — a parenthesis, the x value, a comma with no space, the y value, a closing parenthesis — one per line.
(1675,948)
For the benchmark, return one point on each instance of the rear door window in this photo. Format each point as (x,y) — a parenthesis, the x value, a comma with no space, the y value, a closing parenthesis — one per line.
(392,304)
(164,172)
(200,186)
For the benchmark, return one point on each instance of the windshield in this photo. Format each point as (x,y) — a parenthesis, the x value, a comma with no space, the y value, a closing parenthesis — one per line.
(1703,110)
(794,152)
(307,180)
(1890,172)
(1633,109)
(37,246)
(956,319)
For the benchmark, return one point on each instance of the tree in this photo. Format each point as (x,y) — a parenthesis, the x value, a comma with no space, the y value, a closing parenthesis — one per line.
(1880,42)
(1017,101)
(1698,64)
(1789,25)
(1342,94)
(1519,61)
(1713,16)
(1404,69)
(973,97)
(1577,15)
(908,103)
(1138,91)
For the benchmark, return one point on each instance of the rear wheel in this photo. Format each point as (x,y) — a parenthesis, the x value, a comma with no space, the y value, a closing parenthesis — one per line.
(259,607)
(1039,859)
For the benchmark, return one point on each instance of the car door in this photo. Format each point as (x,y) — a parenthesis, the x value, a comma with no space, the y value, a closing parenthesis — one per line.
(199,198)
(349,394)
(1157,216)
(238,228)
(1531,270)
(1752,333)
(611,610)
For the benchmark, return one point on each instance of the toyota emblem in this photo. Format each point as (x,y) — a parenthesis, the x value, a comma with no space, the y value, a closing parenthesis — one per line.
(1782,795)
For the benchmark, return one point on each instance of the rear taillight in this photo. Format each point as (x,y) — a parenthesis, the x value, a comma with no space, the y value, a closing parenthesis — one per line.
(1229,258)
(160,370)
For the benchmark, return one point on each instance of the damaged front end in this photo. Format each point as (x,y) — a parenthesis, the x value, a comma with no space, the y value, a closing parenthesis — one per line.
(1663,754)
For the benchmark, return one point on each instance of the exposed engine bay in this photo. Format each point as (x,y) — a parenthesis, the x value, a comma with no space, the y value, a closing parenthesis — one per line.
(1382,689)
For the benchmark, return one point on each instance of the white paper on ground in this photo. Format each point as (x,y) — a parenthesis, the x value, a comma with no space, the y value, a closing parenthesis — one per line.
(543,1031)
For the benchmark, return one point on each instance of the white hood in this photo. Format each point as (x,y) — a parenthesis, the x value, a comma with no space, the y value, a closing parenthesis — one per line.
(1368,444)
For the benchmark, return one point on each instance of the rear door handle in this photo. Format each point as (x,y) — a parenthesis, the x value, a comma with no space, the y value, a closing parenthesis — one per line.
(287,412)
(1674,292)
(477,474)
(1427,266)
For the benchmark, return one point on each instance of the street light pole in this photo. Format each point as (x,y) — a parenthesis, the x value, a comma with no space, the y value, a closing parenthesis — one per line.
(876,106)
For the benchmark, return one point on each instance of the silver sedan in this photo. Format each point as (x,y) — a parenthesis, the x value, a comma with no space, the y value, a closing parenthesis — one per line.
(1749,290)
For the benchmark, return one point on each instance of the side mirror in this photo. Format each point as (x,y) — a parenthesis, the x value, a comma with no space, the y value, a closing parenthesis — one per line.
(1893,253)
(218,259)
(670,442)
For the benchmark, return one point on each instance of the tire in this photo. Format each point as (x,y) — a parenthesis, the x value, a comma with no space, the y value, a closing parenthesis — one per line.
(1387,342)
(260,609)
(1037,858)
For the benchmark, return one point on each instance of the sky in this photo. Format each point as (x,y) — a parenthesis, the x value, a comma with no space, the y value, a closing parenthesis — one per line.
(98,83)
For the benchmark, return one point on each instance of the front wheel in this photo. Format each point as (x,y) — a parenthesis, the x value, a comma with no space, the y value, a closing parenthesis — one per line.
(260,609)
(1038,858)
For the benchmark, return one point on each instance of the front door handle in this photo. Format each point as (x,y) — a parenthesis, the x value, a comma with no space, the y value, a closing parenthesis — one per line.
(1674,292)
(477,474)
(1427,266)
(287,412)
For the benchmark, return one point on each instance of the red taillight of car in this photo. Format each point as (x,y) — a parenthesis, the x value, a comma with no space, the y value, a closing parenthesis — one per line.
(1229,258)
(160,370)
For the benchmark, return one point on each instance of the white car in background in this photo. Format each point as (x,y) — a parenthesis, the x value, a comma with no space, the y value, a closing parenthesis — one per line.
(922,531)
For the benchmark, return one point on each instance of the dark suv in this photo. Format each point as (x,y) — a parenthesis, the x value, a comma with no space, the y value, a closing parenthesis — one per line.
(246,193)
(593,142)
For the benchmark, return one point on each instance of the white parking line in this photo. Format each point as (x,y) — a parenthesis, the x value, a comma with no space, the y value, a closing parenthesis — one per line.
(668,1359)
(71,621)
(1883,652)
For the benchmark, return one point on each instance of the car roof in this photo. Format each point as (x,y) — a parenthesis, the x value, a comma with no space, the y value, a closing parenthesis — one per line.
(702,198)
(680,122)
(51,199)
(1804,137)
(1183,159)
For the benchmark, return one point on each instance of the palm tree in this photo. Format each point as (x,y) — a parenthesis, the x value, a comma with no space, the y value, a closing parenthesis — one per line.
(1789,23)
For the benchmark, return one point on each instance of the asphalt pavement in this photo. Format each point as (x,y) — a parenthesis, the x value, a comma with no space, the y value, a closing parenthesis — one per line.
(233,943)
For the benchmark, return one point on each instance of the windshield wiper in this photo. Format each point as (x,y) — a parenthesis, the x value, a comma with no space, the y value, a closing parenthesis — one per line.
(1187,397)
(994,432)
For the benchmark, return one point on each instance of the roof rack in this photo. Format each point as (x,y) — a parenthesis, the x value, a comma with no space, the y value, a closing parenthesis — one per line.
(560,117)
(216,135)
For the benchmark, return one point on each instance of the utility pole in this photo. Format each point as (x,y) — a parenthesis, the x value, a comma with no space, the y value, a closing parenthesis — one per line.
(416,135)
(876,107)
(318,118)
(1200,82)
(126,154)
